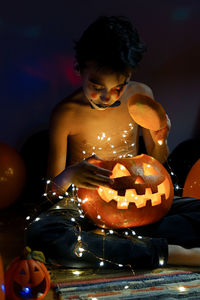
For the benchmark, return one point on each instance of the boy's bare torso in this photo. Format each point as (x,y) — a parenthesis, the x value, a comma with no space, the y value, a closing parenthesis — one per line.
(108,133)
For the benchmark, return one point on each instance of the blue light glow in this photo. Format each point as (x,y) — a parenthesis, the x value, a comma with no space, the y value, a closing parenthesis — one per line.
(26,292)
(3,287)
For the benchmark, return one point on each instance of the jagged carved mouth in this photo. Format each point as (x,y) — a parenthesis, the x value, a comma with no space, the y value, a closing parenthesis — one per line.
(29,291)
(129,189)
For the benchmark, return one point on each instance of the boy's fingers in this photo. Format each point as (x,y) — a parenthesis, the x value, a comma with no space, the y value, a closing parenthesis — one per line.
(100,179)
(99,170)
(93,158)
(88,185)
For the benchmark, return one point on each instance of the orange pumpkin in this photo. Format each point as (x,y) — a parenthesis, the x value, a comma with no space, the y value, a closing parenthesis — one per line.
(2,286)
(12,175)
(142,194)
(27,277)
(192,182)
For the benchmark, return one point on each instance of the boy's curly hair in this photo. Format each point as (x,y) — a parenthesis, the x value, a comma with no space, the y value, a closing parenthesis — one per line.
(112,43)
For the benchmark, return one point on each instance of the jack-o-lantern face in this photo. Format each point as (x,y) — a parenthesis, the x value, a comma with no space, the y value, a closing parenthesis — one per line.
(142,193)
(27,279)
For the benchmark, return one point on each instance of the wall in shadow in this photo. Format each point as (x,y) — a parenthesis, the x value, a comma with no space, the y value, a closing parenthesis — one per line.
(36,59)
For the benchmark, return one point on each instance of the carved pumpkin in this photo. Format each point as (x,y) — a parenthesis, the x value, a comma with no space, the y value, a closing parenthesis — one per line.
(192,182)
(142,194)
(27,277)
(2,286)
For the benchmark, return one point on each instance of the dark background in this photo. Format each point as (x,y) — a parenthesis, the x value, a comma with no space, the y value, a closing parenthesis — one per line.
(36,59)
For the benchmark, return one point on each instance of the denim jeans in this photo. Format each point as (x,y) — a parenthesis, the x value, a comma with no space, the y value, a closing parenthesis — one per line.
(59,233)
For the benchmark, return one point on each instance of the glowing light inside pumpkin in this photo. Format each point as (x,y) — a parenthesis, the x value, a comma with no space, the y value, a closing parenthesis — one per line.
(131,196)
(3,287)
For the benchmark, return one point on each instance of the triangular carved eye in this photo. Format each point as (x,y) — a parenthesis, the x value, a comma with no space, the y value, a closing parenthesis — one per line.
(149,170)
(36,269)
(139,179)
(22,272)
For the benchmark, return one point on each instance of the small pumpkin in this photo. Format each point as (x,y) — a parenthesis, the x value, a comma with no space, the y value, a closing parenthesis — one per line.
(2,286)
(27,277)
(142,193)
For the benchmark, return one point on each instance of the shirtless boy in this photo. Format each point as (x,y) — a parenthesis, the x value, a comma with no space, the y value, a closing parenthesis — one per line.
(94,122)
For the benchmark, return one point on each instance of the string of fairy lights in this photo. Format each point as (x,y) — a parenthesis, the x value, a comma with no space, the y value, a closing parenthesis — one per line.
(53,198)
(104,143)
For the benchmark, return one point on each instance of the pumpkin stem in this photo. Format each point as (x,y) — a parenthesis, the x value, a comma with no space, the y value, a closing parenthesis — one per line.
(26,253)
(36,255)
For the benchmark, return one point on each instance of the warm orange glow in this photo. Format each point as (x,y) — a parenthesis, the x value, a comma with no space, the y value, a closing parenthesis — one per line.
(192,182)
(142,193)
(131,196)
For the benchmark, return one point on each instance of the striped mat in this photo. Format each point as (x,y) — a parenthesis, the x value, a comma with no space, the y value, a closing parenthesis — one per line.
(163,285)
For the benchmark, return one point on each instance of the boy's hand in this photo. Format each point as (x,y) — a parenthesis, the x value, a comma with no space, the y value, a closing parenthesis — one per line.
(86,174)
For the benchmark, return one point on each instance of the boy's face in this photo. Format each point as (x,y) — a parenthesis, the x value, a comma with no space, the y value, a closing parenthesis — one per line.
(103,89)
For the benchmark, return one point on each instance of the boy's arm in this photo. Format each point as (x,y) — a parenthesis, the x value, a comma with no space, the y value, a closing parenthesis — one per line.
(58,133)
(156,147)
(83,173)
(156,141)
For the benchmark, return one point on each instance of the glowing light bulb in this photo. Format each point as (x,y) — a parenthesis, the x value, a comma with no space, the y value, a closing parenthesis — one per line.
(76,272)
(181,288)
(81,249)
(126,287)
(37,219)
(177,187)
(85,200)
(161,261)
